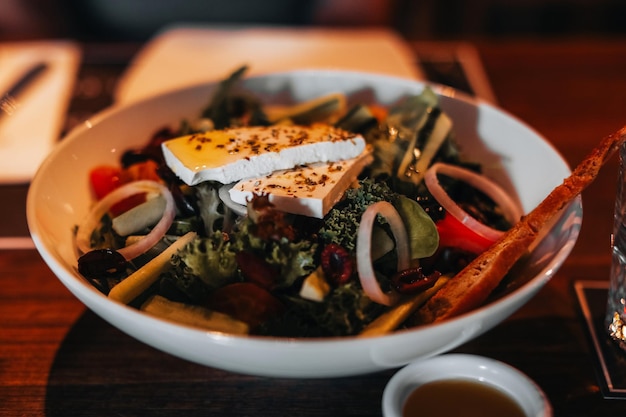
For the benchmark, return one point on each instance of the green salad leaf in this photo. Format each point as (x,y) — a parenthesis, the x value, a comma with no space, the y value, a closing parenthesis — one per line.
(421,230)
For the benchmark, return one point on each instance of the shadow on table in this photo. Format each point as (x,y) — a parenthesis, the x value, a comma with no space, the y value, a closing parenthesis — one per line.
(98,370)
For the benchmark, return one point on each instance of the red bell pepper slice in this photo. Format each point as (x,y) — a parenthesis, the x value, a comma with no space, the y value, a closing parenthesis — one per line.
(453,233)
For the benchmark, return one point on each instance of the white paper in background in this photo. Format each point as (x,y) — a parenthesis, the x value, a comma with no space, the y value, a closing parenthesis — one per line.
(28,135)
(184,56)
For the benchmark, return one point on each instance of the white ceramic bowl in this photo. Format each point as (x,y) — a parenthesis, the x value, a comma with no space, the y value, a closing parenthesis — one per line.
(513,154)
(477,369)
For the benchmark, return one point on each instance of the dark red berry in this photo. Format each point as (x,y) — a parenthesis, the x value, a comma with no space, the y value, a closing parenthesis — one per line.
(337,264)
(413,280)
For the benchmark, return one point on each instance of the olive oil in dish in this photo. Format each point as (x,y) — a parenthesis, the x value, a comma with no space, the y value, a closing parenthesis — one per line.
(460,397)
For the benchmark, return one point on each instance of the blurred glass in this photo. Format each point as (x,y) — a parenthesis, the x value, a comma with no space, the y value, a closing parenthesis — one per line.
(616,304)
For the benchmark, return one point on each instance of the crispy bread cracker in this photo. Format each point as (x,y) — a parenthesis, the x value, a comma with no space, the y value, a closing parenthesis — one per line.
(471,286)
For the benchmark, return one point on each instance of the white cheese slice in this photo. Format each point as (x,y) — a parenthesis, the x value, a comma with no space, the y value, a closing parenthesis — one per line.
(315,287)
(310,190)
(230,155)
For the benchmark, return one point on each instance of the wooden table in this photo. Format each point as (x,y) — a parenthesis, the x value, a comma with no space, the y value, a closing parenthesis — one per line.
(59,359)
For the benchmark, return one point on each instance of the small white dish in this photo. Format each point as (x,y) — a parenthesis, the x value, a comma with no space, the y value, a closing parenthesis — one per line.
(471,368)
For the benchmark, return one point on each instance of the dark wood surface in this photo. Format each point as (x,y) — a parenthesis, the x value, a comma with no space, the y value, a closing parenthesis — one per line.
(59,359)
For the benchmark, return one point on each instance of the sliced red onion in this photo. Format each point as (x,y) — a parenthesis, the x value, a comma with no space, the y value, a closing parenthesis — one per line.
(512,211)
(365,269)
(85,229)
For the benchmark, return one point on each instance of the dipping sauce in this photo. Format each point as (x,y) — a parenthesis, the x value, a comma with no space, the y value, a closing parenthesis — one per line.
(459,397)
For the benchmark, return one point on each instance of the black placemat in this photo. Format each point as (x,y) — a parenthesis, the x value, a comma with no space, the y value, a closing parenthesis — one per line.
(610,359)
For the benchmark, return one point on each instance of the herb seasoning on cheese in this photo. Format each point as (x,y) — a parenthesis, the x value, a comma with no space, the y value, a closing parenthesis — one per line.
(310,190)
(234,154)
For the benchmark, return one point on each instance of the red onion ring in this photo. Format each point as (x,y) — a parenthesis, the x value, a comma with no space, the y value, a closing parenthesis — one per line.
(83,234)
(511,210)
(365,269)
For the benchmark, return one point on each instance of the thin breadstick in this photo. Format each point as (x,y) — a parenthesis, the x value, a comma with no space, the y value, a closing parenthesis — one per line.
(472,285)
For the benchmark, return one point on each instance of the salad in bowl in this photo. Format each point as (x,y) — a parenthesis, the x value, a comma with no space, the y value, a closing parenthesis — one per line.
(341,211)
(294,224)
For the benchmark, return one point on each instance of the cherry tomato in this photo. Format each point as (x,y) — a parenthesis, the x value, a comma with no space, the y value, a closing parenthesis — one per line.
(127,204)
(104,179)
(146,170)
(247,302)
(255,269)
(379,112)
(453,233)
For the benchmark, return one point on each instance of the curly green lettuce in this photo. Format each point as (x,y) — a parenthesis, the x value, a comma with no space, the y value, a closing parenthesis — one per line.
(341,224)
(205,264)
(210,262)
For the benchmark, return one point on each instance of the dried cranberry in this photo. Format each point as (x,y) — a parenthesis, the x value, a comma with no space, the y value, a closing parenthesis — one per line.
(413,280)
(101,262)
(337,263)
